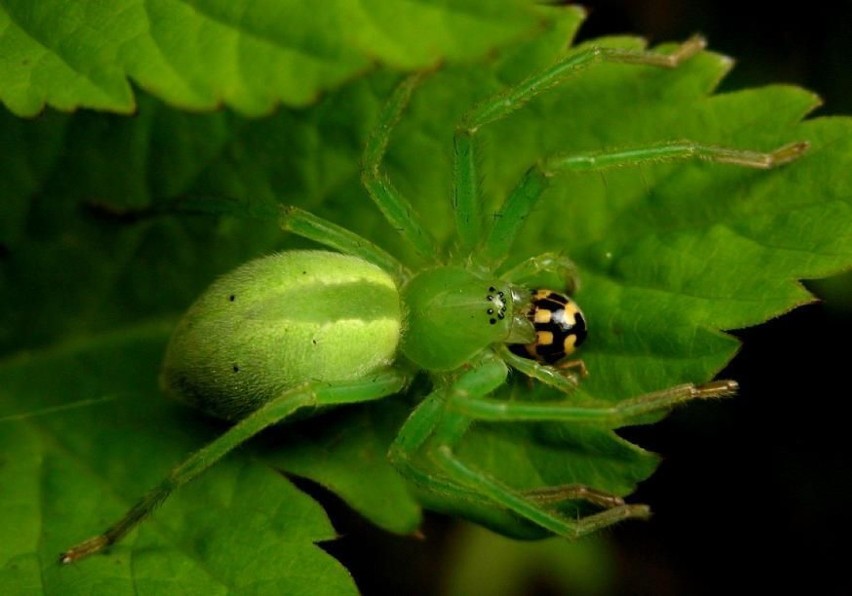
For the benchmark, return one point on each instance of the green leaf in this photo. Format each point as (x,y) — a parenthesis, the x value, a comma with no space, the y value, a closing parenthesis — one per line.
(346,451)
(199,55)
(670,256)
(85,433)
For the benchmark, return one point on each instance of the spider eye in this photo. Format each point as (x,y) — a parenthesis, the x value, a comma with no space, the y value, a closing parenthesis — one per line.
(560,327)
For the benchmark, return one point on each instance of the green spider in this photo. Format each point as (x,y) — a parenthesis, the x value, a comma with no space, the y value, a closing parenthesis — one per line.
(309,329)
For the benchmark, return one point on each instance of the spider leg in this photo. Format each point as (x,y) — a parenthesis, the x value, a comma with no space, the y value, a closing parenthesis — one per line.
(466,203)
(574,62)
(308,395)
(437,426)
(672,151)
(519,203)
(561,379)
(559,265)
(550,495)
(531,508)
(396,209)
(524,197)
(322,231)
(614,415)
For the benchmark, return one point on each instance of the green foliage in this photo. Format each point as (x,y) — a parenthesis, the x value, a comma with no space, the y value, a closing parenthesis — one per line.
(204,54)
(92,435)
(94,271)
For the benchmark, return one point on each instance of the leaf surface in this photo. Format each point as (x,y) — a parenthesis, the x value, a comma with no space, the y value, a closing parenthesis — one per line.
(670,255)
(86,432)
(199,55)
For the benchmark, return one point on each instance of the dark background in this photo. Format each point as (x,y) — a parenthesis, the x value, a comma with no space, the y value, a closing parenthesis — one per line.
(753,493)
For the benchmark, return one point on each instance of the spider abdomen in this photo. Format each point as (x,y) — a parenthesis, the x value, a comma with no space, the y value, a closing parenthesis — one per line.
(278,322)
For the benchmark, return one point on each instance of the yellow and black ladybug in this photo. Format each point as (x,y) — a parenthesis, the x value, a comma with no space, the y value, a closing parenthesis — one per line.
(559,327)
